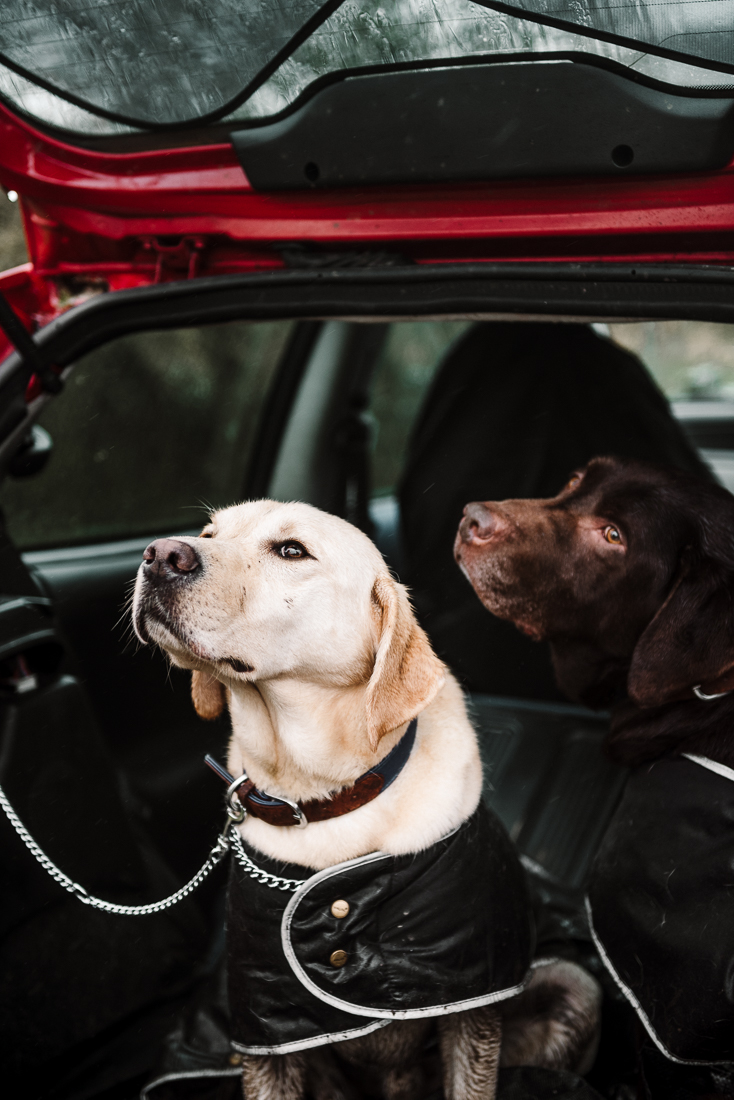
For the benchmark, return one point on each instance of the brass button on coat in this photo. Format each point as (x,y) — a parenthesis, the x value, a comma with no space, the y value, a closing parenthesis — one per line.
(340,908)
(338,958)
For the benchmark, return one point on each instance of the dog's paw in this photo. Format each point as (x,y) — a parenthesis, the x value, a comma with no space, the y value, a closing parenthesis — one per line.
(555,1021)
(274,1077)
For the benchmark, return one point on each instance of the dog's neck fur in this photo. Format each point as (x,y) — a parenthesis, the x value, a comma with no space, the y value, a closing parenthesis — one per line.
(302,740)
(639,735)
(588,674)
(306,741)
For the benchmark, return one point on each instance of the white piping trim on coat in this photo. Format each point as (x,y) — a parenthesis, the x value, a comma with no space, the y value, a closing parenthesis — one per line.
(638,1007)
(710,765)
(536,868)
(317,1041)
(548,960)
(285,1048)
(234,1071)
(360,1010)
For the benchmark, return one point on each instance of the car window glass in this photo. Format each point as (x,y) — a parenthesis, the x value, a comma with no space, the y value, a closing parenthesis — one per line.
(690,360)
(151,431)
(409,359)
(365,33)
(693,364)
(147,79)
(158,64)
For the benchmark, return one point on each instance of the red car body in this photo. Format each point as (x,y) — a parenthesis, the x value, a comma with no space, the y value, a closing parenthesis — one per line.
(122,220)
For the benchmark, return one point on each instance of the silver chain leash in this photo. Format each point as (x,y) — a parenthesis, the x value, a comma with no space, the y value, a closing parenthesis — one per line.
(263,877)
(227,839)
(216,855)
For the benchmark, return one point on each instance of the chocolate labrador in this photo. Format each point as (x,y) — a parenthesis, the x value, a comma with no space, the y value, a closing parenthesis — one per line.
(628,573)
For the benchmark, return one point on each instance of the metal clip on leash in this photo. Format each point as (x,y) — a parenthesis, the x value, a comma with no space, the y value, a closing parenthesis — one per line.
(236,809)
(217,854)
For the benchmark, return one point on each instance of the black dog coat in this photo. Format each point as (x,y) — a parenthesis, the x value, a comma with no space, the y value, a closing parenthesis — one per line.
(661,902)
(443,930)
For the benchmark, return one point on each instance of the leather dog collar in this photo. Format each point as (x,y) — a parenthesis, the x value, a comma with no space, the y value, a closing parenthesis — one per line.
(278,811)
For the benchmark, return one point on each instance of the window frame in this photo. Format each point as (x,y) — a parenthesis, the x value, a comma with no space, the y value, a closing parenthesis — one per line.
(480,291)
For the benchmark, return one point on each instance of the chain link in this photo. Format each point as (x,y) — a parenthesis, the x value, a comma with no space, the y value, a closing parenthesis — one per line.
(228,838)
(216,855)
(252,869)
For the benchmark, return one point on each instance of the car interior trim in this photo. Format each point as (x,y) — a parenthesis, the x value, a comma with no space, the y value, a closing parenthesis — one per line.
(479,290)
(348,133)
(579,289)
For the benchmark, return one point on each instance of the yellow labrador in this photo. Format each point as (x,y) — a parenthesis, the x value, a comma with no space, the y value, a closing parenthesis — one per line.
(290,618)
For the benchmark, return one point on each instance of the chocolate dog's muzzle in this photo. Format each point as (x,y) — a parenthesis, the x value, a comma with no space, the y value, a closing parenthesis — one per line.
(479,523)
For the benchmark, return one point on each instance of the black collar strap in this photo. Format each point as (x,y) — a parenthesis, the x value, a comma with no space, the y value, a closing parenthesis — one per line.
(279,811)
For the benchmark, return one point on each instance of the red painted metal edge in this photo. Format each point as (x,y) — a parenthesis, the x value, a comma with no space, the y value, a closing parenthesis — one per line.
(98,220)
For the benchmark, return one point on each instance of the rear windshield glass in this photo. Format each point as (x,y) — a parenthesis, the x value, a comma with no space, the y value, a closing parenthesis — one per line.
(109,66)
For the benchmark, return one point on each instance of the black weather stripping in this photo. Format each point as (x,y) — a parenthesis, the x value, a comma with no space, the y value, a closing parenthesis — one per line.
(24,343)
(488,121)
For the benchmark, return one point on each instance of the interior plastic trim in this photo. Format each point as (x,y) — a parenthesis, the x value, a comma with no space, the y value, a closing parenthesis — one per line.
(517,119)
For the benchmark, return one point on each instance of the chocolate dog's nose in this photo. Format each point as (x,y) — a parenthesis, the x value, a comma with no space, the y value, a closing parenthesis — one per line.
(167,558)
(479,523)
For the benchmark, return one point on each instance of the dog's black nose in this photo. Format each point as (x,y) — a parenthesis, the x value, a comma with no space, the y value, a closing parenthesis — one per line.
(479,523)
(167,558)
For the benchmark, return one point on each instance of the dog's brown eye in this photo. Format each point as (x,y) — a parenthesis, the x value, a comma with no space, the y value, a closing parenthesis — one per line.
(611,534)
(574,482)
(292,550)
(207,533)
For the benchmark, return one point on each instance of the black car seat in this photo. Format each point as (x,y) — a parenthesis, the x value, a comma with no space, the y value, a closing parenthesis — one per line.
(513,410)
(85,996)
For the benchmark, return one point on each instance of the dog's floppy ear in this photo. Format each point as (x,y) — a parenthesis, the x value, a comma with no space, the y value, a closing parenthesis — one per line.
(207,694)
(691,639)
(407,673)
